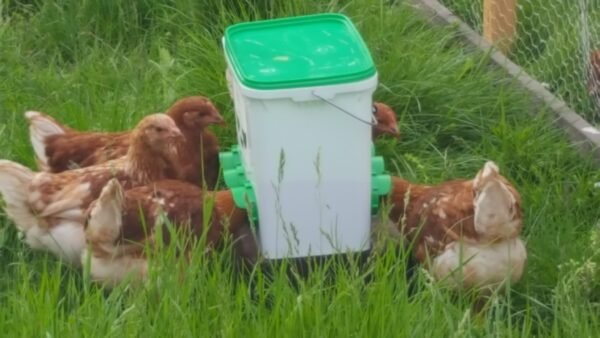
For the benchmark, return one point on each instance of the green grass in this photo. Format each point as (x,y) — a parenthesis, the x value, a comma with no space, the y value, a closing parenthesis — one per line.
(549,45)
(103,65)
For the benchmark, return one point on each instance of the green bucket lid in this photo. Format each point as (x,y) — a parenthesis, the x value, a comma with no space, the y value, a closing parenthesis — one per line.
(302,51)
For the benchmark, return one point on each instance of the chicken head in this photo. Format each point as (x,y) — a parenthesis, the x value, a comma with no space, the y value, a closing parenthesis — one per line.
(158,131)
(497,204)
(195,112)
(386,121)
(104,219)
(111,263)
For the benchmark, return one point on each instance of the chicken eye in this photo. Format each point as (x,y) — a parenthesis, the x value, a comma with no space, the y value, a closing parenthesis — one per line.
(159,129)
(374,109)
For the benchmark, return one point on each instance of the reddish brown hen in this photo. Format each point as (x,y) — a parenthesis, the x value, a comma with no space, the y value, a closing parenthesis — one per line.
(387,123)
(593,76)
(474,224)
(59,148)
(49,207)
(117,237)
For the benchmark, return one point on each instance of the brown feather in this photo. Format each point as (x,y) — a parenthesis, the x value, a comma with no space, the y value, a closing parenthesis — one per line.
(593,76)
(79,149)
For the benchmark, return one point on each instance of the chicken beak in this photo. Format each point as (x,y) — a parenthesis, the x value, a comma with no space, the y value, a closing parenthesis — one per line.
(393,131)
(218,119)
(175,133)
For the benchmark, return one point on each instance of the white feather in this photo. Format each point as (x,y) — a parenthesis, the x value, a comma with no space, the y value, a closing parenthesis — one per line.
(66,240)
(14,184)
(482,265)
(105,216)
(40,128)
(110,271)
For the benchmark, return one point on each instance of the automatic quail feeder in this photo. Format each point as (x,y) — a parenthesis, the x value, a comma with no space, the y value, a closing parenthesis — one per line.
(304,165)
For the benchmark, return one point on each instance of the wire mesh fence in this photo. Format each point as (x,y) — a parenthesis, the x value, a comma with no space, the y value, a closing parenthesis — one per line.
(555,41)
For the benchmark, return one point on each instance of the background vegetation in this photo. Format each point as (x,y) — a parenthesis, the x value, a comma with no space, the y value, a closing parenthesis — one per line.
(553,44)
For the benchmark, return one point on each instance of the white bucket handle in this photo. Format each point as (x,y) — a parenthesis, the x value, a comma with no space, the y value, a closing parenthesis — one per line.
(373,120)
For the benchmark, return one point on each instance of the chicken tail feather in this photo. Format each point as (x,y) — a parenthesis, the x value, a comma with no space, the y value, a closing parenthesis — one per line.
(42,126)
(14,180)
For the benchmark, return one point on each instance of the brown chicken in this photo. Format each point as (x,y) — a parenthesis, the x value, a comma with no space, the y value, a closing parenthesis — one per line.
(49,207)
(117,237)
(387,124)
(593,76)
(473,225)
(59,148)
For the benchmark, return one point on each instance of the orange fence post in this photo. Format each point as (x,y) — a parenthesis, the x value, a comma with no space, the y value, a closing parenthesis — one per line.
(500,23)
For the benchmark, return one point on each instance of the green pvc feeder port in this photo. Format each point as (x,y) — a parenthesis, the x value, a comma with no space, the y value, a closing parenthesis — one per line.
(243,191)
(377,165)
(374,204)
(235,177)
(230,159)
(381,184)
(243,196)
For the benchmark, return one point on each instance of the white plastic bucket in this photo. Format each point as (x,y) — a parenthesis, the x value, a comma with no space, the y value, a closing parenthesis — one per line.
(307,153)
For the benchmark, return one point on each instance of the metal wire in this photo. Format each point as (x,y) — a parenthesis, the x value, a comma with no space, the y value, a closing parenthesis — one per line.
(373,120)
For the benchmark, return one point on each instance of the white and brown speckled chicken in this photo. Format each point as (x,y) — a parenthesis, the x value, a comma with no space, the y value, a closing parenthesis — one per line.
(117,237)
(59,148)
(49,207)
(469,225)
